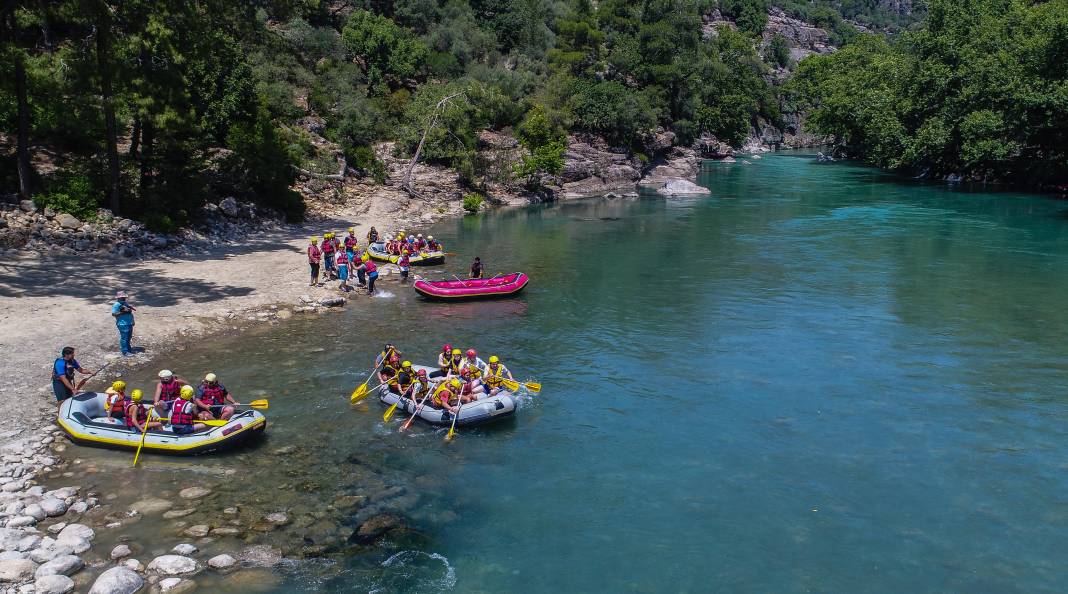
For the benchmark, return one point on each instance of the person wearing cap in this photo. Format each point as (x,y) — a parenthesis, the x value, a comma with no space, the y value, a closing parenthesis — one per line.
(314,256)
(211,399)
(124,321)
(168,389)
(63,370)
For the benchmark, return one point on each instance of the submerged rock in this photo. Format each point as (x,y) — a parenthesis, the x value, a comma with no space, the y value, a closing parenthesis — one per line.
(375,527)
(681,187)
(250,580)
(184,549)
(223,561)
(261,556)
(152,506)
(173,565)
(194,492)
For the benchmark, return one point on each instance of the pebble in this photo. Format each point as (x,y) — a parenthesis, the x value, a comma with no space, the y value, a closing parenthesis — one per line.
(194,492)
(35,512)
(177,513)
(223,561)
(121,551)
(152,506)
(20,521)
(277,518)
(57,528)
(53,507)
(173,565)
(184,549)
(230,511)
(53,584)
(134,564)
(197,531)
(225,531)
(78,507)
(177,585)
(117,580)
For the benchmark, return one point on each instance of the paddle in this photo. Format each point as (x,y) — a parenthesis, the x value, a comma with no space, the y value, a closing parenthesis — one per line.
(144,430)
(389,411)
(514,385)
(91,376)
(408,423)
(361,391)
(452,429)
(256,404)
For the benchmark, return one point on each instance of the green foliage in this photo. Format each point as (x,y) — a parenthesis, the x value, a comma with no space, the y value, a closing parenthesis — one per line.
(472,202)
(363,159)
(778,51)
(390,54)
(610,109)
(261,154)
(73,191)
(751,16)
(545,146)
(980,89)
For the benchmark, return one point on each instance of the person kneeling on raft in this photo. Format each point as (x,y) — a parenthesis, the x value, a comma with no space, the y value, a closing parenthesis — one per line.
(445,394)
(401,383)
(137,416)
(495,374)
(184,413)
(212,398)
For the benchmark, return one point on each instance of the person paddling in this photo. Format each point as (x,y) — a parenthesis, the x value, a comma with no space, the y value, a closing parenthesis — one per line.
(495,375)
(314,256)
(432,245)
(476,268)
(445,394)
(137,416)
(167,391)
(63,370)
(212,398)
(184,413)
(402,382)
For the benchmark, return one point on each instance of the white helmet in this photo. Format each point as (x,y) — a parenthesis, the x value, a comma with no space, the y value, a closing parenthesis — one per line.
(420,235)
(210,377)
(430,237)
(166,373)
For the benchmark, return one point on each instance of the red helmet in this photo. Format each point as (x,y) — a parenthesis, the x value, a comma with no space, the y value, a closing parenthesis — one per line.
(394,357)
(471,353)
(421,373)
(465,372)
(447,348)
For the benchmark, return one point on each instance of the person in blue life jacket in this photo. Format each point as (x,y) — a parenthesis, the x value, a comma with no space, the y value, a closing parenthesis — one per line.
(63,370)
(124,321)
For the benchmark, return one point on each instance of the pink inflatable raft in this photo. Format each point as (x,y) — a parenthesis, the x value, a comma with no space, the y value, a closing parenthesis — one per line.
(475,288)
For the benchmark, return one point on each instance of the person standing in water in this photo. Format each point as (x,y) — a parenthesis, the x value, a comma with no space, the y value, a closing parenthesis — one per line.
(368,266)
(476,268)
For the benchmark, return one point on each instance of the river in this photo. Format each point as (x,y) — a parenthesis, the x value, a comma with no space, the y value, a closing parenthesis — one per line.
(819,378)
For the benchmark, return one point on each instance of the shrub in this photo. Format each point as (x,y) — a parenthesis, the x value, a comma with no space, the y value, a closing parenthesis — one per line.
(472,202)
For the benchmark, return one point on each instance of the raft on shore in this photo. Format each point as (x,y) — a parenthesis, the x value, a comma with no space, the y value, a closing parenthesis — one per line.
(83,418)
(487,410)
(474,288)
(377,251)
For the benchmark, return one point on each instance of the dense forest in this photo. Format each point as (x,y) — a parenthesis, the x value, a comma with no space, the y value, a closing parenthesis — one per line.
(981,91)
(151,107)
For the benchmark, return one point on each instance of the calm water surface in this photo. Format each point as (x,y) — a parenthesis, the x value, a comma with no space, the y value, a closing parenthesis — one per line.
(818,379)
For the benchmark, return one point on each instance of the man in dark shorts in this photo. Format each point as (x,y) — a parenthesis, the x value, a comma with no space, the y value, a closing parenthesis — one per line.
(63,374)
(212,398)
(476,268)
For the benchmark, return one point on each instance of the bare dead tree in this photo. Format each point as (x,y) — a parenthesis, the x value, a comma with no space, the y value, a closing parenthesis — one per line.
(439,108)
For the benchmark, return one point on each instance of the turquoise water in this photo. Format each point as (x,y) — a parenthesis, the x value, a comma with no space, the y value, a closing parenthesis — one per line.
(817,379)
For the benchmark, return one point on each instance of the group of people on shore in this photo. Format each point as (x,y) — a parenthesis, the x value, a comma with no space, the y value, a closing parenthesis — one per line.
(176,401)
(460,377)
(338,258)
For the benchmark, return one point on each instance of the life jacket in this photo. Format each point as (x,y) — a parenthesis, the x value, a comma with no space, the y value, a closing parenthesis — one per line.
(370,266)
(403,380)
(342,259)
(350,241)
(493,378)
(314,254)
(182,413)
(404,261)
(328,246)
(443,390)
(118,402)
(473,369)
(433,246)
(372,236)
(443,361)
(68,371)
(454,365)
(421,389)
(169,390)
(389,370)
(212,395)
(142,416)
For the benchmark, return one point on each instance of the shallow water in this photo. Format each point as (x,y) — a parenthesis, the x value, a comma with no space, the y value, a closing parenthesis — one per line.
(819,378)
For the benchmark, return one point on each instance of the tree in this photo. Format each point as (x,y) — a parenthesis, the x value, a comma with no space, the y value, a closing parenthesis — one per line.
(389,54)
(545,146)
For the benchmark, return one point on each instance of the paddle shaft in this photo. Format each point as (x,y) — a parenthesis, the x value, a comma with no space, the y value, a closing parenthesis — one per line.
(91,376)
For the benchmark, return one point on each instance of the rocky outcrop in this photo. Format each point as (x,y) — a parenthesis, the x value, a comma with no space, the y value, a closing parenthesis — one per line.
(591,167)
(805,39)
(678,162)
(681,187)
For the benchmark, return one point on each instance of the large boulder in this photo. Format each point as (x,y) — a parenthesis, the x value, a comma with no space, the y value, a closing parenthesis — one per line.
(68,221)
(28,206)
(679,162)
(16,570)
(53,584)
(375,527)
(117,580)
(173,565)
(53,507)
(223,561)
(592,167)
(74,532)
(64,565)
(681,187)
(229,207)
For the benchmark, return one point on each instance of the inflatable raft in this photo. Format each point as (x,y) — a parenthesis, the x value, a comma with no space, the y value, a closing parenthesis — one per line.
(480,412)
(84,420)
(377,251)
(475,288)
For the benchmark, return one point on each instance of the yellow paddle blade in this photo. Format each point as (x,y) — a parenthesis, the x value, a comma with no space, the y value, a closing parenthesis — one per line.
(259,404)
(214,423)
(359,393)
(511,385)
(389,412)
(450,434)
(533,386)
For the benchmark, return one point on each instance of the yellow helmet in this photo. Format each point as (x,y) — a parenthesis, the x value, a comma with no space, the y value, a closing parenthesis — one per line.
(352,229)
(494,359)
(186,393)
(456,352)
(455,383)
(118,386)
(136,395)
(406,364)
(365,258)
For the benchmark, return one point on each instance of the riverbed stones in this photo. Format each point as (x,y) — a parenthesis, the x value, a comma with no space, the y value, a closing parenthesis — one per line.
(194,492)
(177,513)
(53,507)
(34,510)
(250,580)
(8,555)
(376,526)
(74,532)
(151,506)
(197,531)
(278,518)
(21,521)
(53,584)
(120,552)
(173,565)
(176,585)
(184,549)
(681,187)
(226,531)
(134,565)
(63,565)
(117,580)
(223,561)
(57,528)
(261,556)
(16,570)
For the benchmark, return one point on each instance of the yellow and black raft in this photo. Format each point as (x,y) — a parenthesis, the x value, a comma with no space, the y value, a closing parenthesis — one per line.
(378,253)
(84,419)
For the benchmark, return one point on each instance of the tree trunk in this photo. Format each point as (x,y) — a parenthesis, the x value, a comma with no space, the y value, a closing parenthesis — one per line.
(103,57)
(135,138)
(148,137)
(23,142)
(406,183)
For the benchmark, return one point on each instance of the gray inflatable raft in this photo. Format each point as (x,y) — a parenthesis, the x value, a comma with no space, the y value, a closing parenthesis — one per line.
(480,412)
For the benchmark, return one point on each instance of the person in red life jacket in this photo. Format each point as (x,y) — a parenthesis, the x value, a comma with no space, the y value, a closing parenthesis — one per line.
(116,400)
(184,413)
(343,271)
(420,243)
(470,388)
(212,398)
(137,416)
(443,361)
(328,256)
(351,243)
(167,391)
(371,269)
(315,255)
(405,263)
(432,245)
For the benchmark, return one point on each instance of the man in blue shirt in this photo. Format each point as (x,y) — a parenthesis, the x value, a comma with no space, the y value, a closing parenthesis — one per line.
(124,320)
(63,374)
